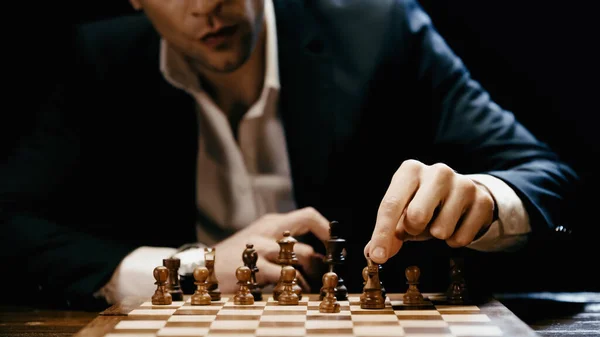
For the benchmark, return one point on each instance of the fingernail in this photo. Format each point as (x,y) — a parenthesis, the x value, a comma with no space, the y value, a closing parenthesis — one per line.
(379,253)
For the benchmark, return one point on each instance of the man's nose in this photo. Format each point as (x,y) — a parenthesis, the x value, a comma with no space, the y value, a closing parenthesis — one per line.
(204,7)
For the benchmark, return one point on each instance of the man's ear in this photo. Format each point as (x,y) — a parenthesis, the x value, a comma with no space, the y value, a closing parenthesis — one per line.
(136,4)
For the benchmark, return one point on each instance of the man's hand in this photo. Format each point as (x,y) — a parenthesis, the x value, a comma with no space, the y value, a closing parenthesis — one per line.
(264,233)
(424,202)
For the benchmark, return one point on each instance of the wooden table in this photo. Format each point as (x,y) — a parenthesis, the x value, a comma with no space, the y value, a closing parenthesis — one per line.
(550,314)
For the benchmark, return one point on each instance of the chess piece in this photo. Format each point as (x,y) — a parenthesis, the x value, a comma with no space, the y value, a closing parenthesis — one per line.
(365,275)
(213,283)
(383,293)
(372,298)
(287,257)
(201,296)
(457,292)
(413,296)
(335,258)
(161,295)
(288,296)
(329,304)
(243,296)
(249,256)
(173,285)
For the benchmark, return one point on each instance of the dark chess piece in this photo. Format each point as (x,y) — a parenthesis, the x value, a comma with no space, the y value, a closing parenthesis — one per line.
(329,304)
(173,285)
(161,295)
(383,293)
(287,257)
(457,292)
(335,258)
(243,295)
(250,257)
(213,282)
(201,296)
(372,298)
(288,296)
(365,275)
(413,296)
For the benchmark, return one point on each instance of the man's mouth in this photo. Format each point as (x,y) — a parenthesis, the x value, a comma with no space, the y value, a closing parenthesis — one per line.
(220,36)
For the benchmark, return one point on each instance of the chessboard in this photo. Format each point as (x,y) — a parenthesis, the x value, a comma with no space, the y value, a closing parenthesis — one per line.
(223,318)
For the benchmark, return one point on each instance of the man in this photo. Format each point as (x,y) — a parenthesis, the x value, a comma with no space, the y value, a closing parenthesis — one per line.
(226,122)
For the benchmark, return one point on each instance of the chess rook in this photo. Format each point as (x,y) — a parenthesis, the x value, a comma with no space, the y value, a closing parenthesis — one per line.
(173,285)
(161,295)
(201,296)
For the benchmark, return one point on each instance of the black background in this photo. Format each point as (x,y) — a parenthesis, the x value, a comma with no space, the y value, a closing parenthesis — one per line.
(538,59)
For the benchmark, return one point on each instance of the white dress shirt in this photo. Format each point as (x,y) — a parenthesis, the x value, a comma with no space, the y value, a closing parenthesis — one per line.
(238,181)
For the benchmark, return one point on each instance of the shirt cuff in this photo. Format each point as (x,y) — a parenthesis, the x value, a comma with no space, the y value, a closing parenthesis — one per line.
(134,275)
(510,231)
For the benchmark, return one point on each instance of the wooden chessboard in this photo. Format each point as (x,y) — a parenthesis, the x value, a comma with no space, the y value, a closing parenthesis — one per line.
(138,317)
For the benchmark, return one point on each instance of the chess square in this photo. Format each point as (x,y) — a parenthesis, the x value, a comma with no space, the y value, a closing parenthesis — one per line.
(273,332)
(149,305)
(285,318)
(182,331)
(222,301)
(192,318)
(152,312)
(375,318)
(255,305)
(236,312)
(466,318)
(131,334)
(286,308)
(378,331)
(475,330)
(335,325)
(303,301)
(234,325)
(139,325)
(318,313)
(357,308)
(446,307)
(423,324)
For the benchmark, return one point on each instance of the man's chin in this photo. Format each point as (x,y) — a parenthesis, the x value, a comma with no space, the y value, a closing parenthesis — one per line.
(222,64)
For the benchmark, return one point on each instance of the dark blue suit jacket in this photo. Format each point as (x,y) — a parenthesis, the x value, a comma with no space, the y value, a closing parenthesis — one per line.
(365,85)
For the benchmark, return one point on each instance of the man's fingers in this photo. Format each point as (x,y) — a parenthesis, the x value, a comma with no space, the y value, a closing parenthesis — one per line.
(433,189)
(302,282)
(268,272)
(480,214)
(446,220)
(401,189)
(266,248)
(306,219)
(306,255)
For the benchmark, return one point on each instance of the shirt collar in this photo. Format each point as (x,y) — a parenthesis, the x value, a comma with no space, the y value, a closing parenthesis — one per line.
(179,73)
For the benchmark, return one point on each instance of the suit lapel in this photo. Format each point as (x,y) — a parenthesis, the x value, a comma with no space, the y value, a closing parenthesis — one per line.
(306,103)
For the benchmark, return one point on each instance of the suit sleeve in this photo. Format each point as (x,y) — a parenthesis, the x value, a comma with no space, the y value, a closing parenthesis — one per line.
(475,135)
(55,262)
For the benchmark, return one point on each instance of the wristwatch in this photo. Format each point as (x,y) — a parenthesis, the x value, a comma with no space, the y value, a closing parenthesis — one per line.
(191,256)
